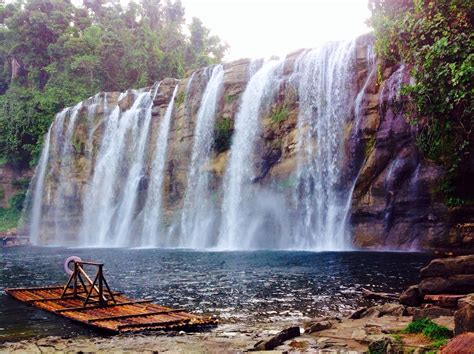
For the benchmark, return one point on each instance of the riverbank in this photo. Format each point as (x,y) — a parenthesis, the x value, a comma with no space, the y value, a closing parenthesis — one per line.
(381,324)
(11,239)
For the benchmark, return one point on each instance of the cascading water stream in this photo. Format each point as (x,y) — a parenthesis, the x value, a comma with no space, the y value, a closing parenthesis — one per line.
(110,175)
(325,107)
(198,216)
(111,197)
(240,172)
(152,233)
(126,209)
(37,197)
(66,158)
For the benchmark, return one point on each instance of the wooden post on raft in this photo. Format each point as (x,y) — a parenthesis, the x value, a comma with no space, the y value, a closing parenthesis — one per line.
(92,288)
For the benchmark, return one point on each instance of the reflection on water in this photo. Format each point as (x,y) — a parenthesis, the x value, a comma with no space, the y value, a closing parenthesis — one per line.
(250,287)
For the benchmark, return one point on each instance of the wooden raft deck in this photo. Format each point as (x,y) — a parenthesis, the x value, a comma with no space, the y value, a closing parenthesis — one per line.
(126,315)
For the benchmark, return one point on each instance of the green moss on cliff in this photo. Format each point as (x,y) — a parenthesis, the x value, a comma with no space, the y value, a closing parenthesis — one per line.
(280,114)
(179,100)
(223,134)
(369,146)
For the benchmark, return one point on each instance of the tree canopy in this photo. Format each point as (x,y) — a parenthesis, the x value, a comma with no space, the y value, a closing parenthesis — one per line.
(54,54)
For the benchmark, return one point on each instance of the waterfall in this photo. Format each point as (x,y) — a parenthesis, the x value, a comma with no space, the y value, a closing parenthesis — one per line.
(325,103)
(198,217)
(240,173)
(133,170)
(66,158)
(111,195)
(152,232)
(371,70)
(38,191)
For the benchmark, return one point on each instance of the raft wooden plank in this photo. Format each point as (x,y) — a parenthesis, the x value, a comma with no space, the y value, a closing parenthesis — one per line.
(39,288)
(126,315)
(135,315)
(82,308)
(69,296)
(151,324)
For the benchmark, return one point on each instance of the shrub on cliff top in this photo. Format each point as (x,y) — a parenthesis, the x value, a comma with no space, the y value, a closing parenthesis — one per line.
(436,40)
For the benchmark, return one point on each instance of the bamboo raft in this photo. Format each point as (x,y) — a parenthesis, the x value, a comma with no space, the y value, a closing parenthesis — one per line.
(91,302)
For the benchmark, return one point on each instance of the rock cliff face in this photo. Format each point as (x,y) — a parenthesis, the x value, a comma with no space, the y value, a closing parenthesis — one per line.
(394,202)
(12,181)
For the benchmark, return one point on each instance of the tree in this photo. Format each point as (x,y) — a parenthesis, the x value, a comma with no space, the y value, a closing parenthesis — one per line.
(68,53)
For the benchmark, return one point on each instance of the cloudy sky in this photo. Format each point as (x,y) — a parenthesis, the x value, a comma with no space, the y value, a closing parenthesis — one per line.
(260,28)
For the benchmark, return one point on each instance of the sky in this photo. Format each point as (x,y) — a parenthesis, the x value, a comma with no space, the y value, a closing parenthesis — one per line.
(262,28)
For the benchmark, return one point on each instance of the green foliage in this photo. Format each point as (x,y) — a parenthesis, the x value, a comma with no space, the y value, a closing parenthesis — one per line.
(280,114)
(223,134)
(67,53)
(179,100)
(438,335)
(417,326)
(398,339)
(21,183)
(16,202)
(436,40)
(369,146)
(9,218)
(436,332)
(230,98)
(439,343)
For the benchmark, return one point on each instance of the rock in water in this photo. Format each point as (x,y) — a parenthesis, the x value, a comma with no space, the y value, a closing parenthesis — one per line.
(279,339)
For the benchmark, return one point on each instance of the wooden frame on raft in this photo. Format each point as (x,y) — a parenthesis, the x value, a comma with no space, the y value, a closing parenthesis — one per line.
(78,274)
(92,303)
